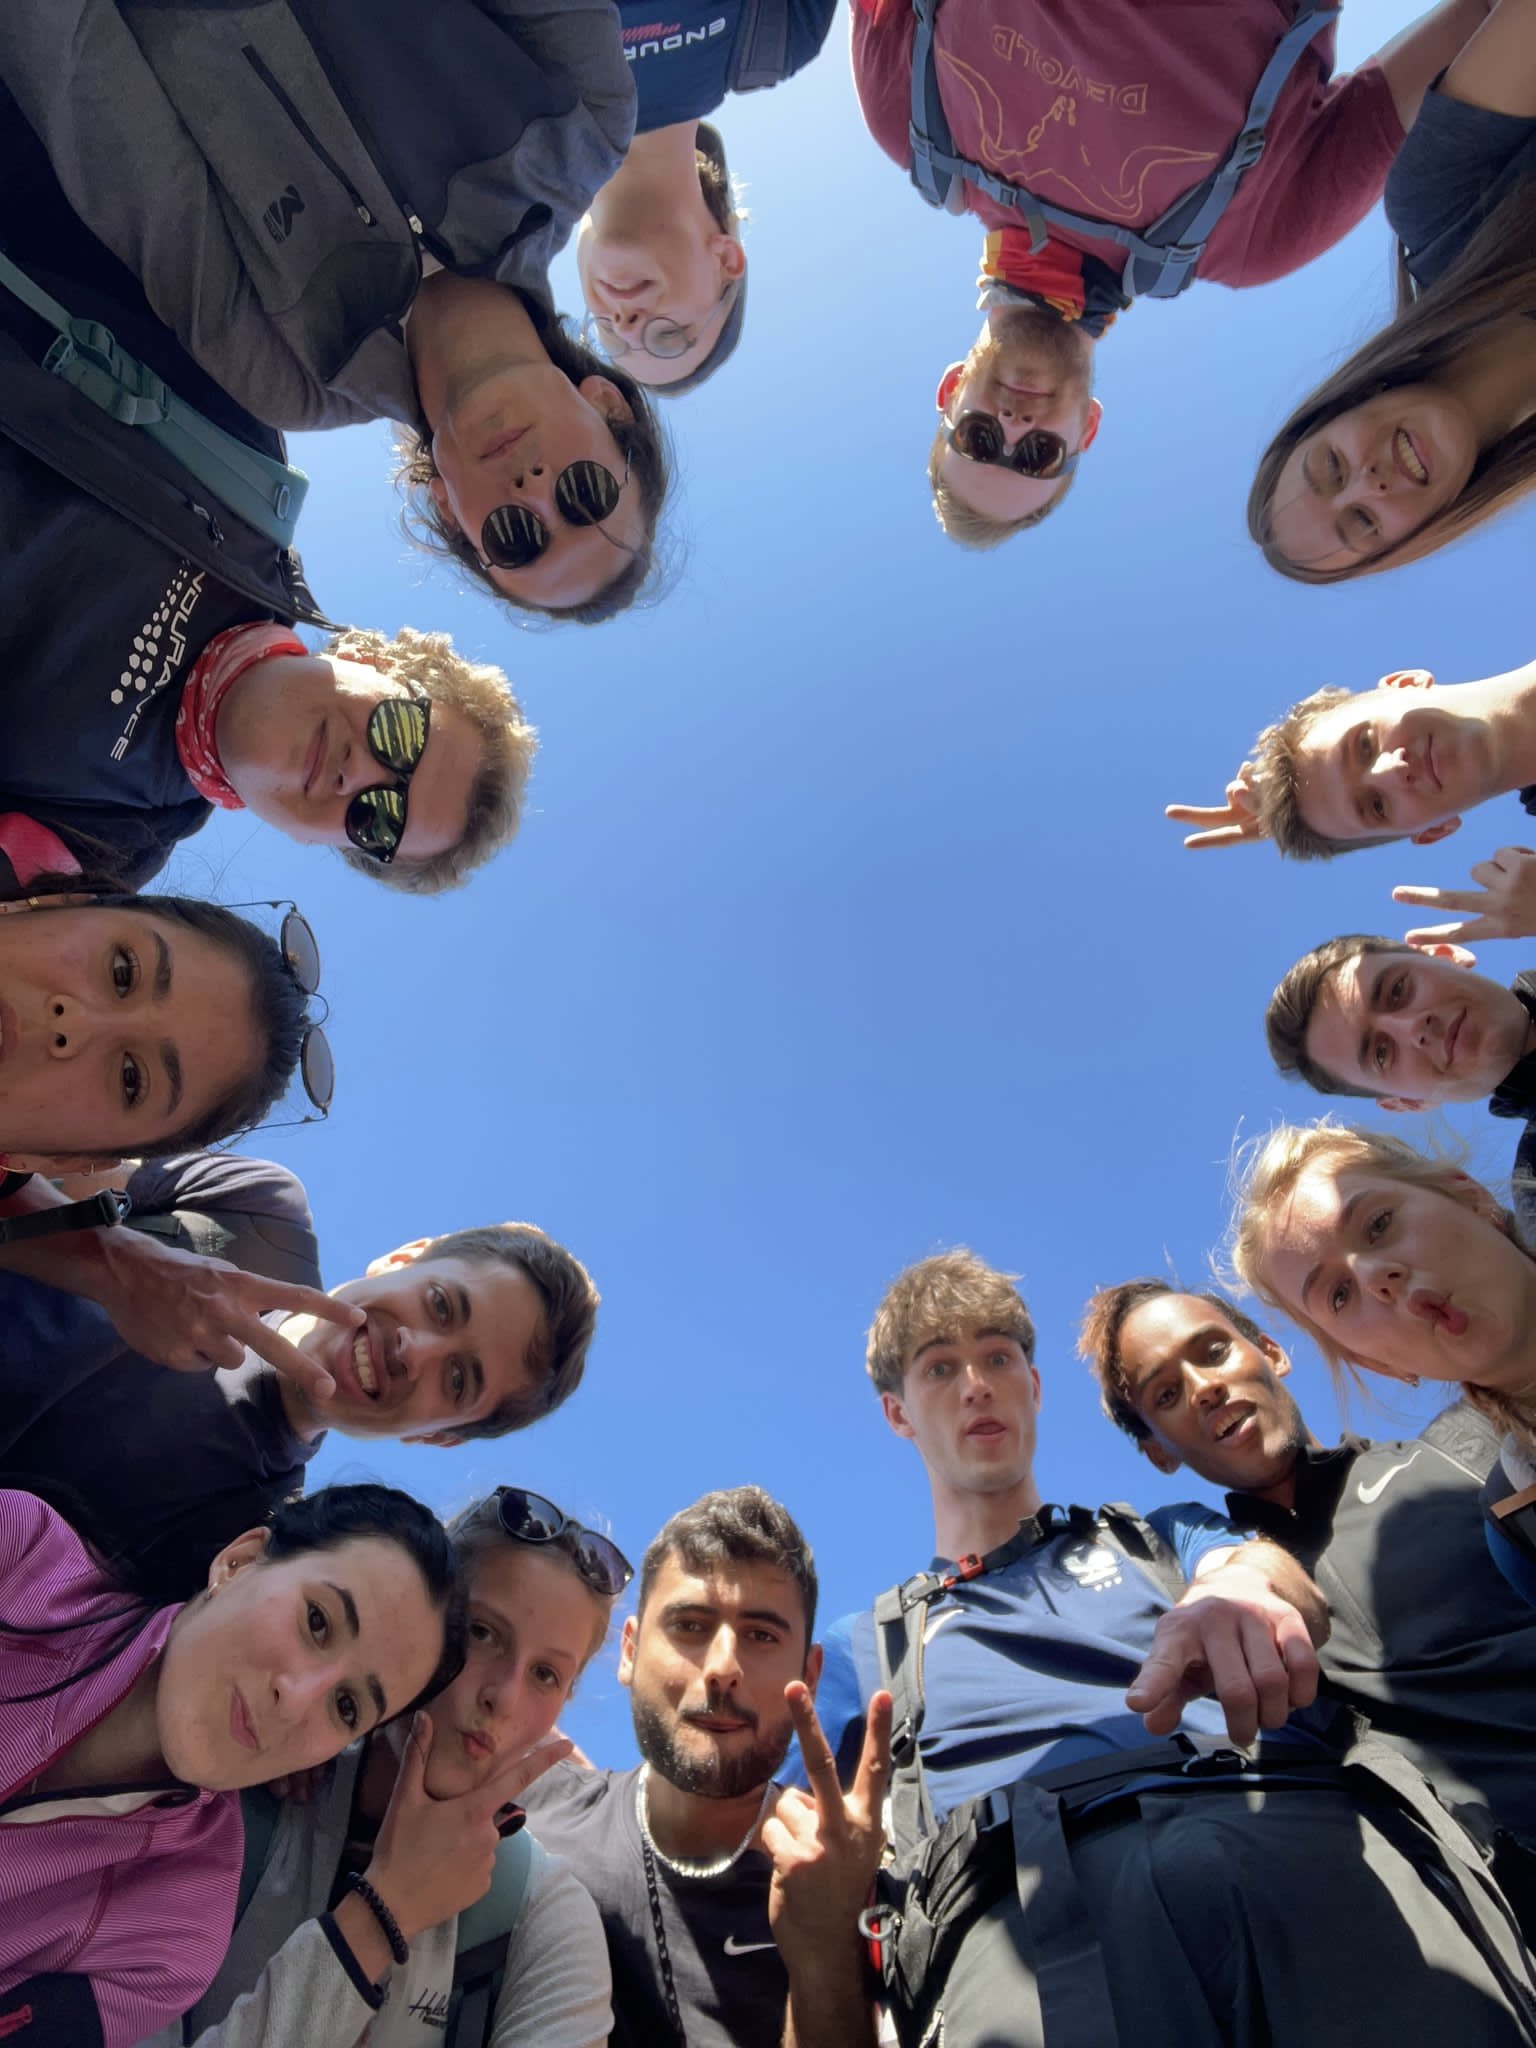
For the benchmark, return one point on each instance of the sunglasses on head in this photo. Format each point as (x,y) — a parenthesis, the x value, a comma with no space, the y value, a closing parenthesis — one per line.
(397,739)
(300,949)
(585,494)
(530,1518)
(1038,453)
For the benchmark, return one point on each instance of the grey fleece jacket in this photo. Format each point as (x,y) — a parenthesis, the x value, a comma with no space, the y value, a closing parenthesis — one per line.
(283,1984)
(272,169)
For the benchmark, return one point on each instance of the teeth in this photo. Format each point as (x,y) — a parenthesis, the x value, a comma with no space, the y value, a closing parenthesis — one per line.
(1409,460)
(364,1363)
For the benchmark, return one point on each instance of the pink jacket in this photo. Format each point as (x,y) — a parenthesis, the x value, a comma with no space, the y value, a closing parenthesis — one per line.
(140,1902)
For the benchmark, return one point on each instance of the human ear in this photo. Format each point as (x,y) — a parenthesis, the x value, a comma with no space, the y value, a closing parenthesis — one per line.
(603,394)
(895,1414)
(1407,679)
(1401,1104)
(440,498)
(1432,833)
(444,1439)
(1157,1455)
(1279,1363)
(949,384)
(732,257)
(1474,1196)
(812,1672)
(627,1650)
(402,1255)
(234,1557)
(1091,430)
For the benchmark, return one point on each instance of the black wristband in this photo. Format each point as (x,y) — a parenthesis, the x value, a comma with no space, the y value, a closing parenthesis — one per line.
(398,1947)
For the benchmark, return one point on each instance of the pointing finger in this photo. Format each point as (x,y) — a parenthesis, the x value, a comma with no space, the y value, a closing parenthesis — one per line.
(815,1750)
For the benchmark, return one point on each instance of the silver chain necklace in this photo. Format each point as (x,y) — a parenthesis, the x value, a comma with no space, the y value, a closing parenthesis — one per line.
(680,1866)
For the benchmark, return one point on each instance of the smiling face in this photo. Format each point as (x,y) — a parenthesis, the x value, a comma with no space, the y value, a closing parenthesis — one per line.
(533,1624)
(1418,1029)
(1029,370)
(118,1029)
(1372,476)
(279,1666)
(505,441)
(1211,1397)
(970,1403)
(446,1342)
(1395,761)
(1405,1280)
(293,740)
(706,1663)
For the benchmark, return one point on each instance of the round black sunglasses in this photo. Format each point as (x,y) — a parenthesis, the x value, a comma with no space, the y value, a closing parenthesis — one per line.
(585,494)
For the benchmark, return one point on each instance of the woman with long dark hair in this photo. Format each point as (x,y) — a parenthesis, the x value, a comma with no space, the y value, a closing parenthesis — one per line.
(127,1732)
(1430,428)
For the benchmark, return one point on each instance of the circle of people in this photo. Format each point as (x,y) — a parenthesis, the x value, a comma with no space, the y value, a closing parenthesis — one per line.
(280,1768)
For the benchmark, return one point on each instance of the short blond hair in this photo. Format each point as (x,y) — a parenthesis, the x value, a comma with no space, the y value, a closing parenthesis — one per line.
(944,1296)
(1276,761)
(1269,1177)
(481,694)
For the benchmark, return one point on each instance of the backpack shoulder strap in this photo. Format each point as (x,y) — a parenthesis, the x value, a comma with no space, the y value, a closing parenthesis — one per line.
(260,1810)
(760,56)
(480,1954)
(1139,1542)
(901,1615)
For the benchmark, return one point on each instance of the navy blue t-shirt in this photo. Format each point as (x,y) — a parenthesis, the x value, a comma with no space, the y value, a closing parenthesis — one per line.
(1457,167)
(683,53)
(1026,1668)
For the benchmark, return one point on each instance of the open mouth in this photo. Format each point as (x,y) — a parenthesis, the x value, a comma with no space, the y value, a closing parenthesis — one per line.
(1453,1039)
(365,1363)
(1231,1422)
(1408,458)
(985,1429)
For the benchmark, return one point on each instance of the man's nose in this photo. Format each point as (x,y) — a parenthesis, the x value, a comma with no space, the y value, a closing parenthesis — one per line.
(1205,1390)
(1427,1029)
(722,1661)
(974,1385)
(408,1353)
(533,484)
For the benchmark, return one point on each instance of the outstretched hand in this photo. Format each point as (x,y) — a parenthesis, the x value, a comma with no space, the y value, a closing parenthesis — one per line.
(1231,1635)
(826,1844)
(1227,824)
(195,1314)
(1503,906)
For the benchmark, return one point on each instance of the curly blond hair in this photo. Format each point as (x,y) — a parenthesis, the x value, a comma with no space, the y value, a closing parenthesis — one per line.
(481,694)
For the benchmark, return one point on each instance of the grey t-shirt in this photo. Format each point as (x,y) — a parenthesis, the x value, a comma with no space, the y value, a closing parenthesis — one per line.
(168,1466)
(731,1985)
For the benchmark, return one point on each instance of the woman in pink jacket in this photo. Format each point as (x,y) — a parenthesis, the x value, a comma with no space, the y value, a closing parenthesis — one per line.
(127,1732)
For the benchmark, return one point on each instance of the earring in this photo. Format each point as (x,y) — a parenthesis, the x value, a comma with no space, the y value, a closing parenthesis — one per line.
(1410,1379)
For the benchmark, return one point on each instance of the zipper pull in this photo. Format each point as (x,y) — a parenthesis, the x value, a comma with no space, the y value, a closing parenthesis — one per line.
(364,215)
(414,224)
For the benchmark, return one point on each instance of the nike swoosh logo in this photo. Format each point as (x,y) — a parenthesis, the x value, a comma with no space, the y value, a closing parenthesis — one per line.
(733,1947)
(1369,1494)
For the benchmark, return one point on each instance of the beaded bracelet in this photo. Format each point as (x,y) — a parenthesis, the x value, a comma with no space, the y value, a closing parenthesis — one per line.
(391,1926)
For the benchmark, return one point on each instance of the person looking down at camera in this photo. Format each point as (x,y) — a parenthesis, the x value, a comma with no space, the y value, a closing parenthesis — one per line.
(128,1729)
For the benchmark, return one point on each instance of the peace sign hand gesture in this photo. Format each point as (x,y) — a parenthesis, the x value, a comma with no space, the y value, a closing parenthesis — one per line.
(1502,907)
(1228,824)
(826,1847)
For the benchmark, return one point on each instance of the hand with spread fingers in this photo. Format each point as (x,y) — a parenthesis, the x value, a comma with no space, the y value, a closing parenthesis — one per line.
(1503,906)
(1237,1636)
(435,1857)
(826,1846)
(1227,824)
(196,1314)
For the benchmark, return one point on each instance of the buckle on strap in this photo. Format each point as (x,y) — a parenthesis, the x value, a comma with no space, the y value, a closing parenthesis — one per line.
(88,357)
(1247,150)
(1216,1763)
(904,1742)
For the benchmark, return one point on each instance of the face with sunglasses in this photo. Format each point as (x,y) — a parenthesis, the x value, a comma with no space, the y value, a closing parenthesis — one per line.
(1016,415)
(531,473)
(535,1621)
(334,752)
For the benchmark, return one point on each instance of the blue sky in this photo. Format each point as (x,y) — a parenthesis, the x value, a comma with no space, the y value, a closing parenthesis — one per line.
(845,924)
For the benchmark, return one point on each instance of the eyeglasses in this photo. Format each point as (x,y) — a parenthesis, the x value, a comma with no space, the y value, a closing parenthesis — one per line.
(300,949)
(1038,453)
(585,494)
(660,337)
(530,1518)
(397,739)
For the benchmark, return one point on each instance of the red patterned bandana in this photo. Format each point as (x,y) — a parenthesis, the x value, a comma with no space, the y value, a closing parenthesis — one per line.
(222,662)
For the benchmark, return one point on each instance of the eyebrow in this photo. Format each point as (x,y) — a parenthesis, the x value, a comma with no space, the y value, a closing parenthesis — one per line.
(162,968)
(1346,1215)
(675,1611)
(170,1059)
(462,1293)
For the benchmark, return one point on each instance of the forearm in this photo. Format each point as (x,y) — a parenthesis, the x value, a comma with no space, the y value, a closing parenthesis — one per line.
(1413,60)
(829,2005)
(76,1261)
(1284,1577)
(306,1992)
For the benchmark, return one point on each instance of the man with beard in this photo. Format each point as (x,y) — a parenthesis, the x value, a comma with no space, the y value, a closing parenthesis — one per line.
(1428,1642)
(1072,133)
(730,1905)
